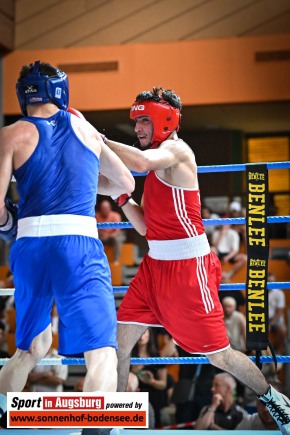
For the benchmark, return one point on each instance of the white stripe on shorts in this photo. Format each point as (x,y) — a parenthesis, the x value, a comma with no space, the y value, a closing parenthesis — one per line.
(202,280)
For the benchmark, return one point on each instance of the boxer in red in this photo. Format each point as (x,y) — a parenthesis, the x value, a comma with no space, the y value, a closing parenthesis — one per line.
(177,283)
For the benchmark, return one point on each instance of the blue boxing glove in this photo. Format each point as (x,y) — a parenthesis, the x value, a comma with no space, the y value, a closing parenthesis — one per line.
(8,231)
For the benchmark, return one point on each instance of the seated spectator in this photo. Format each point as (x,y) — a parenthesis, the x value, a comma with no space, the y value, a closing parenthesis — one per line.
(237,211)
(3,342)
(277,324)
(262,419)
(226,244)
(48,378)
(7,282)
(223,412)
(206,213)
(237,295)
(193,390)
(235,323)
(132,387)
(152,378)
(271,375)
(111,236)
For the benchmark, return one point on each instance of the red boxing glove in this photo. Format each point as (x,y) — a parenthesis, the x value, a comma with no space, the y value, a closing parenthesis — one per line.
(76,113)
(122,199)
(81,116)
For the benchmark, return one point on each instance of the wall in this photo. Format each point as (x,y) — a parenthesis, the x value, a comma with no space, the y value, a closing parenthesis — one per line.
(203,72)
(7,12)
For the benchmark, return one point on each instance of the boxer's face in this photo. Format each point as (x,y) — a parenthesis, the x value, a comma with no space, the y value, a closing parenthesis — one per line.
(144,130)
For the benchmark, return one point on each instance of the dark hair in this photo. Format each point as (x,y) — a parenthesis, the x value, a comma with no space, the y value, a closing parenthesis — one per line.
(151,347)
(45,68)
(160,94)
(2,326)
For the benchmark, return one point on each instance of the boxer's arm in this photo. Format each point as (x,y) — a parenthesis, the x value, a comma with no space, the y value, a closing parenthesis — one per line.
(167,155)
(133,212)
(8,210)
(115,178)
(6,168)
(135,215)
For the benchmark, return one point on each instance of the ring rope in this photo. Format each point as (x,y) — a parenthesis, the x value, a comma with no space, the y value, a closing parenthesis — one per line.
(219,168)
(228,168)
(220,221)
(157,360)
(119,289)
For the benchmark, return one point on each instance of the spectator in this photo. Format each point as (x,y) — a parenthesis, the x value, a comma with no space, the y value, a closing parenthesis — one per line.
(3,343)
(262,419)
(48,378)
(235,324)
(226,244)
(236,211)
(6,302)
(223,412)
(152,378)
(206,213)
(112,236)
(193,390)
(271,375)
(8,281)
(277,323)
(133,385)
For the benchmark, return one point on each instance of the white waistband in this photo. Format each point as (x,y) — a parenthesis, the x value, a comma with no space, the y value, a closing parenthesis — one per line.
(180,249)
(57,225)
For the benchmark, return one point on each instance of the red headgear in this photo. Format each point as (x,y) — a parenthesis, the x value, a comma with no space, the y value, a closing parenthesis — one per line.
(164,117)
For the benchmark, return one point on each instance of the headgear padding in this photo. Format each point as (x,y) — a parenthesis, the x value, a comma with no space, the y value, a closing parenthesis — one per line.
(164,117)
(39,88)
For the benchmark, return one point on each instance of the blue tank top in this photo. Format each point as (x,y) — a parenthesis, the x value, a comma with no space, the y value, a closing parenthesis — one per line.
(61,175)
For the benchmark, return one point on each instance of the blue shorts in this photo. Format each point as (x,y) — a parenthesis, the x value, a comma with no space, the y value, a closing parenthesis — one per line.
(73,271)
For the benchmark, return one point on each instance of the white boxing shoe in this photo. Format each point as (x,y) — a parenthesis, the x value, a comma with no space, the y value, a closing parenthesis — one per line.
(279,407)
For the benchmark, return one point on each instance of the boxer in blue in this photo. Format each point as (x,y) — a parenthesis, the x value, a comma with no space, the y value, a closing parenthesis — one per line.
(60,162)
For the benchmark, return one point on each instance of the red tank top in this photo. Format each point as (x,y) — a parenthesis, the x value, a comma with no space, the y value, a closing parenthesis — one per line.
(170,212)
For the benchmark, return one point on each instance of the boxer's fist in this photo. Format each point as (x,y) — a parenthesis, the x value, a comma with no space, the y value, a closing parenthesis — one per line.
(122,199)
(76,113)
(8,231)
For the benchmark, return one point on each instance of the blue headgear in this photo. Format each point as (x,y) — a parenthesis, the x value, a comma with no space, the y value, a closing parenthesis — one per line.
(37,88)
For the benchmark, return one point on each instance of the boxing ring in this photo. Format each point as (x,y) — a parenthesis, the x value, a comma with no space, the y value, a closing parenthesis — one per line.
(174,360)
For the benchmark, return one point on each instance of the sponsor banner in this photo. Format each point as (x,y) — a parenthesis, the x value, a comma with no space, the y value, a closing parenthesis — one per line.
(258,253)
(77,410)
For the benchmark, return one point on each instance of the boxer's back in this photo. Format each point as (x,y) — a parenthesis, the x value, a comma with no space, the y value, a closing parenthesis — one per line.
(60,176)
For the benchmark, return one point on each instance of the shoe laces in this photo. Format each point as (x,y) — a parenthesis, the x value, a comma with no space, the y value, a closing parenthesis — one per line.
(278,412)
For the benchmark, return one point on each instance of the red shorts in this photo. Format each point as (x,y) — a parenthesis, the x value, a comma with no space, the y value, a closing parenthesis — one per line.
(181,296)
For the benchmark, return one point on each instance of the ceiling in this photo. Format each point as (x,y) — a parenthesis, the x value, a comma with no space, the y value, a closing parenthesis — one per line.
(76,23)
